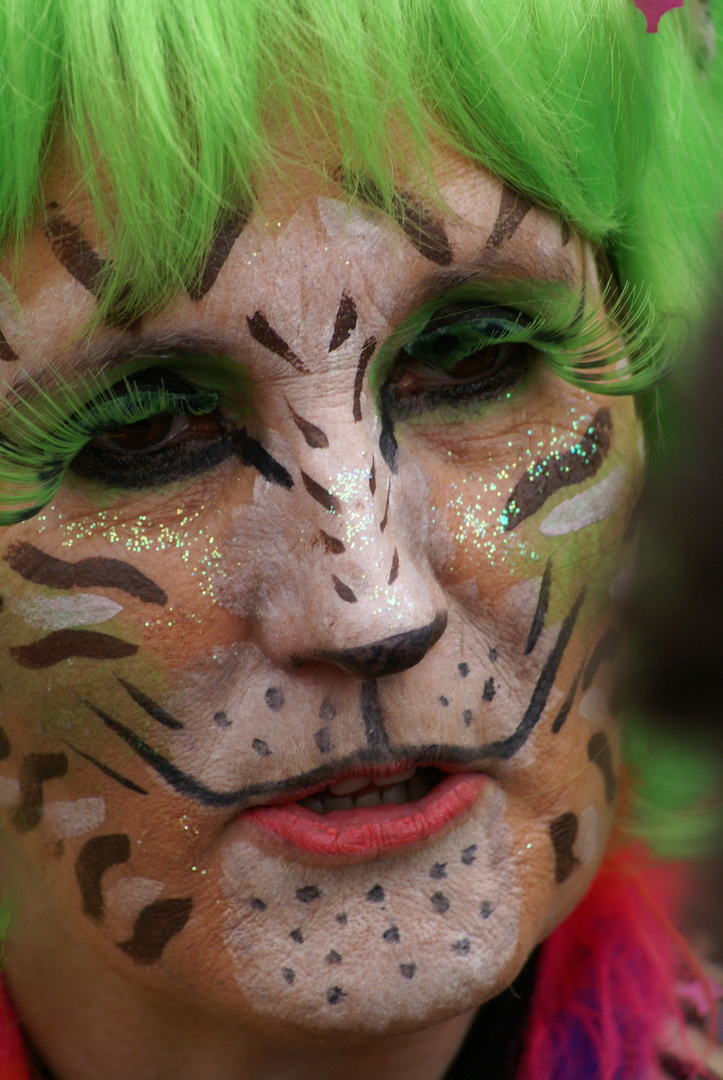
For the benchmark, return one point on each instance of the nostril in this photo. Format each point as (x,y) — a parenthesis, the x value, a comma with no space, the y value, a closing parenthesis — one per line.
(388,655)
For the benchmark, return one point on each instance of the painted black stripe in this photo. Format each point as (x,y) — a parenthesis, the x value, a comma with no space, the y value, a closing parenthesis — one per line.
(150,706)
(603,652)
(130,784)
(43,569)
(252,453)
(364,357)
(543,600)
(373,717)
(566,705)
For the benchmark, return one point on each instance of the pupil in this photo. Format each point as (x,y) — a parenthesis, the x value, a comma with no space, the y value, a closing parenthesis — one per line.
(141,435)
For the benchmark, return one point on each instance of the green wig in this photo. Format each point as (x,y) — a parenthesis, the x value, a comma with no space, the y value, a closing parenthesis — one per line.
(173,112)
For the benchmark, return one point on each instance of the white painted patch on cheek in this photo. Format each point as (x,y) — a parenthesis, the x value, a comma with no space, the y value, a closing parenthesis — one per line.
(76,817)
(128,896)
(64,612)
(594,706)
(587,842)
(621,583)
(9,790)
(588,507)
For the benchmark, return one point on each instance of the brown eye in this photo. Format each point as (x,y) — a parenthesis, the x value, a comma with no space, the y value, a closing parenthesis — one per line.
(144,435)
(481,364)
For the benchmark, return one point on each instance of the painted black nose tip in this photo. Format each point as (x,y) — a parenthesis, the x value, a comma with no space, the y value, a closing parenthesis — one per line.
(388,655)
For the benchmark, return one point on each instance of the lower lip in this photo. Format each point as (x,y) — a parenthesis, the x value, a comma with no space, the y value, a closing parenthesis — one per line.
(369,831)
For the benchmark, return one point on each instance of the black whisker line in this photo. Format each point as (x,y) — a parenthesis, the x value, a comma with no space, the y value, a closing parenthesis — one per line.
(130,784)
(543,599)
(149,705)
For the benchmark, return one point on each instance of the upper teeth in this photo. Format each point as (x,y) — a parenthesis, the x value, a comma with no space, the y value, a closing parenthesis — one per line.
(347,794)
(356,783)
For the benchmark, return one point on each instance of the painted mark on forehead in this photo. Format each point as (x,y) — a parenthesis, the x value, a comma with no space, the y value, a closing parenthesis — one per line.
(150,706)
(365,356)
(512,211)
(556,471)
(373,717)
(122,780)
(36,770)
(321,495)
(600,754)
(345,321)
(226,236)
(563,831)
(423,231)
(95,858)
(82,262)
(154,928)
(313,435)
(543,599)
(262,332)
(63,644)
(43,569)
(7,353)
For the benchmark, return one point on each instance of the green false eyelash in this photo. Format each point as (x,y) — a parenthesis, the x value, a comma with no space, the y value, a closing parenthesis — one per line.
(39,439)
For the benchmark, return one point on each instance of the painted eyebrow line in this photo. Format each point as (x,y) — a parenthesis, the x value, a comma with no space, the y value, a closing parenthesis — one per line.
(492,267)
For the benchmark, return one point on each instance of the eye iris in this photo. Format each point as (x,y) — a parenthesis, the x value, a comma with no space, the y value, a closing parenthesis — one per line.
(143,435)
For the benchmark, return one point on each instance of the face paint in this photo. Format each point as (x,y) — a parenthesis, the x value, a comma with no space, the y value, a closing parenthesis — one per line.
(343,756)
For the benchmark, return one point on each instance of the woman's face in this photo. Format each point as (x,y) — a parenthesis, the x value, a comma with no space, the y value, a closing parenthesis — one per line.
(304,699)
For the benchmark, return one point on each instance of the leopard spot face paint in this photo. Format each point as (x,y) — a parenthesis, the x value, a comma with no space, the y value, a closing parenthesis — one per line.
(306,679)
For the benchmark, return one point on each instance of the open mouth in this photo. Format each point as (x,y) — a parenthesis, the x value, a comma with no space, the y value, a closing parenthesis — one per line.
(363,816)
(362,792)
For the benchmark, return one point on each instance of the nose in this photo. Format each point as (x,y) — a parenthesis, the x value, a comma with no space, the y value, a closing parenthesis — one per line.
(389,655)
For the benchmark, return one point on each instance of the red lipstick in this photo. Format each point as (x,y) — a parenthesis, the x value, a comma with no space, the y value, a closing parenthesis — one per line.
(373,830)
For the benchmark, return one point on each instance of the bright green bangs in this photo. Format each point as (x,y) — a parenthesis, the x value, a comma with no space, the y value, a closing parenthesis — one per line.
(174,110)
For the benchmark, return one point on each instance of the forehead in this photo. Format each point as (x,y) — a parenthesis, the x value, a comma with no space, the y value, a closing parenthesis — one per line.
(307,235)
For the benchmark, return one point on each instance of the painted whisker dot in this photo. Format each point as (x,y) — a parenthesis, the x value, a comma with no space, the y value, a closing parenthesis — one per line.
(439,903)
(391,936)
(376,895)
(408,970)
(486,909)
(468,854)
(257,903)
(490,690)
(221,719)
(322,738)
(341,918)
(261,747)
(467,717)
(334,995)
(462,947)
(333,957)
(297,936)
(443,700)
(463,670)
(289,975)
(439,870)
(274,698)
(308,893)
(327,711)
(493,655)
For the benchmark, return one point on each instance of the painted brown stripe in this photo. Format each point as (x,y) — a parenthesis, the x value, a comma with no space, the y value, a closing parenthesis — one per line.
(420,228)
(513,210)
(332,546)
(62,644)
(552,473)
(262,332)
(85,264)
(5,749)
(345,321)
(6,350)
(385,519)
(364,357)
(394,572)
(42,569)
(95,858)
(563,831)
(228,233)
(313,435)
(35,770)
(343,591)
(321,495)
(373,478)
(599,752)
(154,928)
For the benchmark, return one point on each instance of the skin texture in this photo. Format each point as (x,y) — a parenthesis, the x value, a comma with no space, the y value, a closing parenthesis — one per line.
(329,599)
